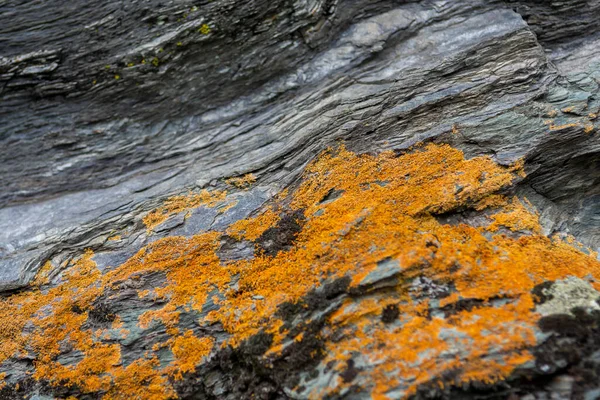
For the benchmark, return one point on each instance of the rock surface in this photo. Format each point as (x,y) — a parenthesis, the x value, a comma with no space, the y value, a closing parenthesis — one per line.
(160,160)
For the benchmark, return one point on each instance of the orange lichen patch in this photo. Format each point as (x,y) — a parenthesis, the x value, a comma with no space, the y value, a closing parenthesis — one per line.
(139,380)
(177,204)
(14,313)
(226,207)
(492,201)
(518,167)
(421,349)
(53,314)
(58,316)
(501,267)
(241,181)
(114,238)
(252,228)
(444,178)
(169,316)
(192,270)
(369,222)
(188,350)
(516,217)
(490,268)
(282,195)
(451,299)
(592,116)
(568,109)
(352,312)
(63,323)
(565,126)
(385,210)
(42,276)
(351,234)
(589,128)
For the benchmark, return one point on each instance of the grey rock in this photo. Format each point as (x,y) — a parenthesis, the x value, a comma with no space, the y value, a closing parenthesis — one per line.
(381,276)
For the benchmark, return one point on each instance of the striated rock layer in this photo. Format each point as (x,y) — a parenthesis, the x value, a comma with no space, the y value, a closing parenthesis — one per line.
(300,199)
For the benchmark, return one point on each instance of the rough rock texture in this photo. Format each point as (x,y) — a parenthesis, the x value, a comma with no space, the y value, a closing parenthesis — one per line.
(128,131)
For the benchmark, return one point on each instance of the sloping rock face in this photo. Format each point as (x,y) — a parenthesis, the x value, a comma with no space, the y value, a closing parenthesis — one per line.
(300,199)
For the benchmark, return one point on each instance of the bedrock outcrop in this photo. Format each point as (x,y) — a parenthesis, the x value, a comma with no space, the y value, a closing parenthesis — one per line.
(300,199)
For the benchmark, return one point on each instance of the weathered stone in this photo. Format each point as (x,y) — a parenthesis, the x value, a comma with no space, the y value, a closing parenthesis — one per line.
(108,109)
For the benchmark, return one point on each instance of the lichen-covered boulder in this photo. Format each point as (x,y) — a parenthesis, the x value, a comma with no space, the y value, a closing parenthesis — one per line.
(300,199)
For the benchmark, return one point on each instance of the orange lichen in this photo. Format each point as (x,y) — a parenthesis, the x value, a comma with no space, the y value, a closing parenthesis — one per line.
(188,350)
(516,217)
(169,317)
(41,278)
(518,167)
(252,228)
(565,126)
(386,209)
(589,128)
(491,201)
(568,109)
(241,181)
(63,325)
(176,204)
(139,380)
(58,316)
(227,206)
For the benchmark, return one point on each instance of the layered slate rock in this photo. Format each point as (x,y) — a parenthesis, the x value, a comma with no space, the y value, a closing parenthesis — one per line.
(172,227)
(353,284)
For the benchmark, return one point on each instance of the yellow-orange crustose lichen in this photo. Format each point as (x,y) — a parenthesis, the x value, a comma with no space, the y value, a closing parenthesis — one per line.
(588,128)
(564,126)
(516,217)
(385,212)
(177,204)
(252,228)
(241,181)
